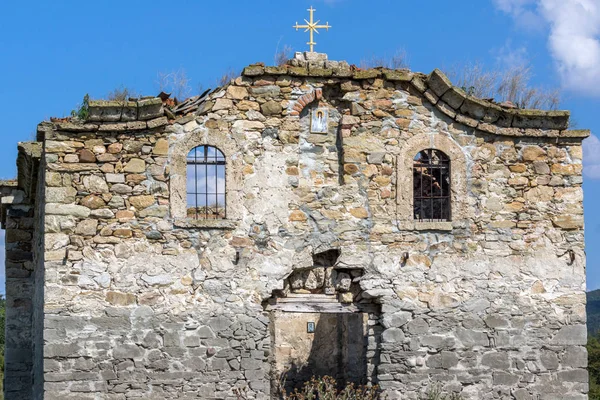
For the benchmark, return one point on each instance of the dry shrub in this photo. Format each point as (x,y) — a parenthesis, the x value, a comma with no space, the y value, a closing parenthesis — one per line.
(283,55)
(514,86)
(227,77)
(176,82)
(324,388)
(397,61)
(510,84)
(474,79)
(435,393)
(122,93)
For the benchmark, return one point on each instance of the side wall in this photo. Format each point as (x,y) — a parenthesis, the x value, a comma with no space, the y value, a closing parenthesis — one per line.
(19,305)
(19,220)
(38,282)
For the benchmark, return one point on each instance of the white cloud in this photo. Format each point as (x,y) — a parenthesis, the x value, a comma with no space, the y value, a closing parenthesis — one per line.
(512,6)
(591,157)
(574,37)
(209,184)
(575,42)
(523,11)
(511,57)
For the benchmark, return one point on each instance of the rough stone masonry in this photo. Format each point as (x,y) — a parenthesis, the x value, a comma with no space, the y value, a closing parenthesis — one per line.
(114,293)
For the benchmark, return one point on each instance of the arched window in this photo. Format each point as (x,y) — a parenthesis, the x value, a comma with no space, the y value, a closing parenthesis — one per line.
(206,183)
(431,186)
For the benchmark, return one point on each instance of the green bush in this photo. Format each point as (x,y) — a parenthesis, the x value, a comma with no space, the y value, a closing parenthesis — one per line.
(326,388)
(435,393)
(82,111)
(593,348)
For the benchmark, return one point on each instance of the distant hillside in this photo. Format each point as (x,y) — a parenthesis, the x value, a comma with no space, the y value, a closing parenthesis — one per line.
(593,311)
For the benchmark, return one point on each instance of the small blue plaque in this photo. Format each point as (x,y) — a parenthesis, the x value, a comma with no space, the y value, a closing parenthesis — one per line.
(310,327)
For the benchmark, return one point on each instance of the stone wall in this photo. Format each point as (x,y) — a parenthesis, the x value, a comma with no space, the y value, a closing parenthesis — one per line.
(38,285)
(17,214)
(141,302)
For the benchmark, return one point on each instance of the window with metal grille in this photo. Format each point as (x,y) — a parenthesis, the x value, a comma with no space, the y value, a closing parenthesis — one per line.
(206,183)
(431,186)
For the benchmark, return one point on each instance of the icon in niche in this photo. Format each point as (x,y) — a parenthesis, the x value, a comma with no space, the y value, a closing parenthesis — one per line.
(319,120)
(310,327)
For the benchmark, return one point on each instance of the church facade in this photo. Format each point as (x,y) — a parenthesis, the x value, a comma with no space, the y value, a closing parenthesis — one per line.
(378,226)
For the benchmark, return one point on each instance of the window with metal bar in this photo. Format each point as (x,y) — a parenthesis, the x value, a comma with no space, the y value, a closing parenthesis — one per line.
(431,186)
(206,183)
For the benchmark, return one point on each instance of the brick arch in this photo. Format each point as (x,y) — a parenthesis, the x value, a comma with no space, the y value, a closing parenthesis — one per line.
(305,100)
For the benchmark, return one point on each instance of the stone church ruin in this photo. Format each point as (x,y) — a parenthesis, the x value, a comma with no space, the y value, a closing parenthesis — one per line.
(378,226)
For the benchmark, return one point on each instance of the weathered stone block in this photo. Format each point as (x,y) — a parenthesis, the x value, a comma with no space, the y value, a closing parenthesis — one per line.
(95,184)
(505,379)
(568,221)
(454,97)
(438,82)
(265,91)
(120,299)
(105,111)
(570,335)
(61,194)
(253,70)
(93,202)
(135,166)
(67,209)
(271,108)
(127,351)
(87,227)
(142,202)
(150,109)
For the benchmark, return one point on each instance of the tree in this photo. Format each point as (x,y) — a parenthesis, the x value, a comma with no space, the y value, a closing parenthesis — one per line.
(593,348)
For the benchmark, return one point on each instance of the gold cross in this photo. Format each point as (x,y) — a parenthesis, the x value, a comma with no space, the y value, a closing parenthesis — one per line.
(312,26)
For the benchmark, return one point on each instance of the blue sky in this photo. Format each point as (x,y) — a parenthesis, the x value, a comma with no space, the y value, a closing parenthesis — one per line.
(52,53)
